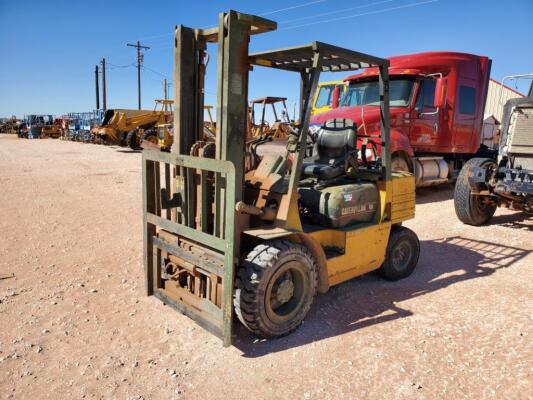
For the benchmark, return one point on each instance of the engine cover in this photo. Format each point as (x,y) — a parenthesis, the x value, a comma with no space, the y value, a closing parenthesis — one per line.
(340,206)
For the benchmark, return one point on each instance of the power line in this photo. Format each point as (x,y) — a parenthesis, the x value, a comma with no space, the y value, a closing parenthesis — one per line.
(337,11)
(358,15)
(284,28)
(310,3)
(113,66)
(154,71)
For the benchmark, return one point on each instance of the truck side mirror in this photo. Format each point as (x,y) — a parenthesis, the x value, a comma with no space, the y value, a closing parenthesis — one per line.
(335,97)
(440,93)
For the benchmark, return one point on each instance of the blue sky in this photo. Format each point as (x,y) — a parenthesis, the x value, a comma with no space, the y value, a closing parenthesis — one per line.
(49,48)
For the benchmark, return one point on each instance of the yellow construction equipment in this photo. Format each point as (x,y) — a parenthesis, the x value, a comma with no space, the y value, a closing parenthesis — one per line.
(281,126)
(259,239)
(124,127)
(10,126)
(53,130)
(160,137)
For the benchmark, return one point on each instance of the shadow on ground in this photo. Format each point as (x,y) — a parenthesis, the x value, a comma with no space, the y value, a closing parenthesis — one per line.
(517,220)
(369,300)
(434,194)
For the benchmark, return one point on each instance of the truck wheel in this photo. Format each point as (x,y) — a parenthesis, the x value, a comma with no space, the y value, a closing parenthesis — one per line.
(402,254)
(399,163)
(276,286)
(132,140)
(150,135)
(468,207)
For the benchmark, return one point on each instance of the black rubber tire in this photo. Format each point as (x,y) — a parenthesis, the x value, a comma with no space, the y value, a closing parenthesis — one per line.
(255,282)
(149,133)
(468,208)
(401,239)
(132,140)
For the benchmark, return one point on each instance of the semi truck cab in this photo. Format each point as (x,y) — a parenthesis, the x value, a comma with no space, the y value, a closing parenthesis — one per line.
(327,96)
(437,101)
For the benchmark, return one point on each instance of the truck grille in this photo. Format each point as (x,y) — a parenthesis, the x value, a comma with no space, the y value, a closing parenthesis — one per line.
(521,131)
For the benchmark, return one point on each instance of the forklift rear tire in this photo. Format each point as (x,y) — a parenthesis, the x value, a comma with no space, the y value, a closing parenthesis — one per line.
(276,286)
(469,208)
(132,140)
(402,254)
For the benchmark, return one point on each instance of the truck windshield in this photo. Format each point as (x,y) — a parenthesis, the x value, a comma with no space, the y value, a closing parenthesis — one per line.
(367,93)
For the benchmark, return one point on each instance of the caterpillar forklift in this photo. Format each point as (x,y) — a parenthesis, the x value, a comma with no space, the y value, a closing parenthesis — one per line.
(230,236)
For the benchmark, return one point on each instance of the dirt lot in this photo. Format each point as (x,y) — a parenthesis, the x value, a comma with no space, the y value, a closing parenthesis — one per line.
(75,322)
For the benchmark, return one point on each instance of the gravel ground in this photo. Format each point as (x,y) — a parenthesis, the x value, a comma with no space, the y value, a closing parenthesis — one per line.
(75,322)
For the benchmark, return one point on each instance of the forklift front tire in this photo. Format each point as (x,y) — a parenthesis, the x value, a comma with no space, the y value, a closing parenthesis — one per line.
(275,288)
(402,254)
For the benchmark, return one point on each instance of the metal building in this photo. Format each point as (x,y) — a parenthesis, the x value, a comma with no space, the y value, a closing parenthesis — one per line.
(497,96)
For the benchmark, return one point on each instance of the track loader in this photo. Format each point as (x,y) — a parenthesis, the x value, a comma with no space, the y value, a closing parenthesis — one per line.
(228,233)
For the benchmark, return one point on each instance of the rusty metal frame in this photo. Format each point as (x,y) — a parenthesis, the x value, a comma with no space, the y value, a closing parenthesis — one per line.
(153,221)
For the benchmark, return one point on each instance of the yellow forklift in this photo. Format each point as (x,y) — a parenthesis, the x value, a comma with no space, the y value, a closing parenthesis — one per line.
(228,233)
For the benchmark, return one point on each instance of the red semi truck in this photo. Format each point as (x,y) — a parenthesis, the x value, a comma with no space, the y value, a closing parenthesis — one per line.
(437,100)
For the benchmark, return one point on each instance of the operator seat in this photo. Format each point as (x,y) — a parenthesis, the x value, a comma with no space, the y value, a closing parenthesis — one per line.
(336,139)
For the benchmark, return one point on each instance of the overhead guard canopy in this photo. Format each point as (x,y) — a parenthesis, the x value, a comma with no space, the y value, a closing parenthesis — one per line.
(333,58)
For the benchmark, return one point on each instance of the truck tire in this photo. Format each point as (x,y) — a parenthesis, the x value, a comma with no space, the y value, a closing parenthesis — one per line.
(469,208)
(399,163)
(132,140)
(150,135)
(275,288)
(402,254)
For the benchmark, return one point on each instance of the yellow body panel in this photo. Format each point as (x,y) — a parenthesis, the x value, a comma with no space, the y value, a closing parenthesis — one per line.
(364,250)
(403,197)
(362,247)
(53,131)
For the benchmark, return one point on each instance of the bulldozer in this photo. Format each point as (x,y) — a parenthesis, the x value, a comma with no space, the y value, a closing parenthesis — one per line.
(53,130)
(125,127)
(232,237)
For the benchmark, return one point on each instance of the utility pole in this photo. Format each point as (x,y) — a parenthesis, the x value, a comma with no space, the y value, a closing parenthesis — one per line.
(165,83)
(104,94)
(139,63)
(96,78)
